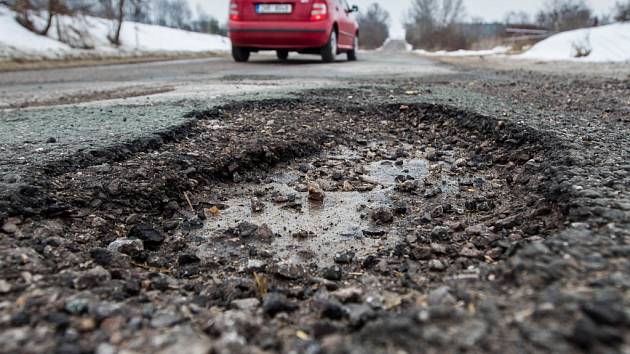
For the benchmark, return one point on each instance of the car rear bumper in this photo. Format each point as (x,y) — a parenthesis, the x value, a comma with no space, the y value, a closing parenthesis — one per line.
(279,35)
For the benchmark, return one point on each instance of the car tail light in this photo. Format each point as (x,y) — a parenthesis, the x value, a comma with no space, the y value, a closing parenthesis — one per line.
(319,11)
(234,11)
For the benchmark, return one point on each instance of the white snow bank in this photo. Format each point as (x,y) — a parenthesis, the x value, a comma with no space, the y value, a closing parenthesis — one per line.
(609,43)
(465,53)
(89,37)
(14,37)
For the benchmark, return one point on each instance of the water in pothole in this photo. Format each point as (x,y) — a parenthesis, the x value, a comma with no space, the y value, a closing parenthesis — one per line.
(313,230)
(392,172)
(340,223)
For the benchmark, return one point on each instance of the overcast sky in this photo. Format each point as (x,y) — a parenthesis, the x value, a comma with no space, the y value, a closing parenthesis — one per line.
(489,10)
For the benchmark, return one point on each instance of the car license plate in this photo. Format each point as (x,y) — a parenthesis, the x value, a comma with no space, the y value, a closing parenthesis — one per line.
(274,8)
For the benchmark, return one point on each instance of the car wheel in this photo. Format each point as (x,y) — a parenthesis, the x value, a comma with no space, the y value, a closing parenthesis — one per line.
(352,55)
(239,54)
(329,52)
(282,54)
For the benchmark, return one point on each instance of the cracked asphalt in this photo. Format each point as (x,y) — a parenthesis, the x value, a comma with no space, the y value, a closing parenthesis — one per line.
(393,205)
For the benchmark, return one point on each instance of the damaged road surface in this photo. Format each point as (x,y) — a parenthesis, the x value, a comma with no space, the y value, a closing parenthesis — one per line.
(386,217)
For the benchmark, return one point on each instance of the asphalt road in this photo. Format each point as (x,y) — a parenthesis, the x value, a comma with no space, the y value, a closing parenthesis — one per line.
(90,108)
(200,78)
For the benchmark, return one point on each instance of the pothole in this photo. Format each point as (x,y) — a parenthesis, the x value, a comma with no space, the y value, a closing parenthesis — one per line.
(370,205)
(412,203)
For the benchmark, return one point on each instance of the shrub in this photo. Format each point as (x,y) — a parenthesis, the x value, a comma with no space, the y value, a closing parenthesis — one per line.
(622,11)
(565,15)
(433,24)
(374,27)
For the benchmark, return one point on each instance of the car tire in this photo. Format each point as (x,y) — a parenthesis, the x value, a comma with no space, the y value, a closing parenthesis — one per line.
(352,55)
(240,55)
(329,52)
(283,55)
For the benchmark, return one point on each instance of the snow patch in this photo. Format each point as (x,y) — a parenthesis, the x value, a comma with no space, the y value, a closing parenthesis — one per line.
(610,43)
(465,53)
(75,37)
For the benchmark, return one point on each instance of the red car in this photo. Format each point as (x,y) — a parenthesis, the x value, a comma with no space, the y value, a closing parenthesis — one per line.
(323,27)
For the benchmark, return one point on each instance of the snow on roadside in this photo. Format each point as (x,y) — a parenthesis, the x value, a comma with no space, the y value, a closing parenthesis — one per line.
(465,53)
(610,43)
(16,42)
(15,38)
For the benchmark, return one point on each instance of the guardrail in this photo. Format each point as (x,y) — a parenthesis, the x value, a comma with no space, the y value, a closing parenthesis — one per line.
(526,34)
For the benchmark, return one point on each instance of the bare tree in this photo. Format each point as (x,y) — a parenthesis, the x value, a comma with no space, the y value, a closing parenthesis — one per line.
(138,10)
(26,8)
(565,15)
(434,24)
(120,18)
(205,23)
(374,26)
(622,11)
(514,17)
(54,7)
(173,13)
(23,10)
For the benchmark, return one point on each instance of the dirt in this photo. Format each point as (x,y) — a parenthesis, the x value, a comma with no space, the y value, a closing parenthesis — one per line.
(323,225)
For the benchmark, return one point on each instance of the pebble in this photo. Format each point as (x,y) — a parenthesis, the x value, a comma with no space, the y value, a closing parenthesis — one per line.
(476,230)
(440,296)
(469,250)
(333,272)
(437,212)
(186,259)
(360,314)
(332,309)
(338,175)
(236,178)
(256,265)
(247,229)
(264,232)
(303,235)
(92,278)
(440,233)
(345,257)
(290,270)
(163,320)
(436,265)
(257,205)
(150,237)
(77,306)
(248,304)
(275,303)
(315,192)
(382,215)
(345,295)
(5,287)
(101,256)
(420,253)
(430,193)
(126,246)
(304,167)
(9,228)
